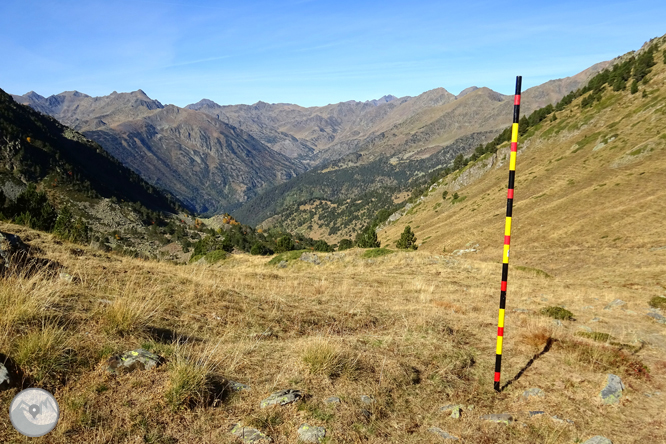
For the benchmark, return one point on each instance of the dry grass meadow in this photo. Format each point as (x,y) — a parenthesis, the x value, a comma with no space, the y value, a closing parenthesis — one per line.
(415,331)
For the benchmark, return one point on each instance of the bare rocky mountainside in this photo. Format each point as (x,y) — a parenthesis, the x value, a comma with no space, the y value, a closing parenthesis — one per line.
(221,158)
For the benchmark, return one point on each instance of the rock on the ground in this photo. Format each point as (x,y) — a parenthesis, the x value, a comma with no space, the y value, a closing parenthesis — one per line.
(365,399)
(282,264)
(560,420)
(441,433)
(237,386)
(505,418)
(537,413)
(332,400)
(311,258)
(612,393)
(534,392)
(282,397)
(10,246)
(455,410)
(4,377)
(138,359)
(615,303)
(66,277)
(248,434)
(308,433)
(598,440)
(657,317)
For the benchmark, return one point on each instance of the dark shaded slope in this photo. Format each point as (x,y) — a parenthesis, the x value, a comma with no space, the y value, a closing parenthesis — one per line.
(35,146)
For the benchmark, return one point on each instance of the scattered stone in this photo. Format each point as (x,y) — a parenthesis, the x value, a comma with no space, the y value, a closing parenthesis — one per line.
(560,420)
(455,409)
(557,323)
(537,413)
(282,264)
(615,303)
(365,399)
(649,395)
(535,392)
(138,359)
(283,397)
(366,413)
(504,418)
(237,386)
(585,328)
(332,400)
(248,434)
(10,246)
(308,433)
(595,320)
(657,317)
(612,393)
(598,440)
(66,277)
(311,258)
(4,377)
(441,433)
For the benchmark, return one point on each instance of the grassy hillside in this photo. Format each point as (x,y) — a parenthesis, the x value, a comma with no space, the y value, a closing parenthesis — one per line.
(414,331)
(592,180)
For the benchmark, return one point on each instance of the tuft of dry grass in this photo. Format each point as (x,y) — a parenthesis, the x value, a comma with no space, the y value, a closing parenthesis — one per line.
(190,376)
(323,357)
(43,353)
(133,309)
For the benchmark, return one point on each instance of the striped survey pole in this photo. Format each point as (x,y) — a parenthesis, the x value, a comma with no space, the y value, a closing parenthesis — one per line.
(507,232)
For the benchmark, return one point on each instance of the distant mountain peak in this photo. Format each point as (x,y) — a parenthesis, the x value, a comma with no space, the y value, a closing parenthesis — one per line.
(33,95)
(466,91)
(201,104)
(384,99)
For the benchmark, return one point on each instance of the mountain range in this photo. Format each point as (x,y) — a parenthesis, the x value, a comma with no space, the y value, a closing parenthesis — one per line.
(223,158)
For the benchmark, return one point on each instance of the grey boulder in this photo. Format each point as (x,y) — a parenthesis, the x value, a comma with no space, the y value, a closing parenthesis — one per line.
(138,359)
(283,397)
(612,393)
(308,433)
(248,434)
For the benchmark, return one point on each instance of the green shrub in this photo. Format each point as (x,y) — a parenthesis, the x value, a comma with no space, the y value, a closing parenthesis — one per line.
(322,245)
(558,313)
(286,256)
(407,239)
(368,239)
(259,249)
(444,194)
(345,244)
(284,244)
(658,302)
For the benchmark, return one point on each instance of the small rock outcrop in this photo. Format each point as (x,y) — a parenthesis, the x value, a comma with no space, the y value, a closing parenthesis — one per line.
(615,303)
(282,264)
(4,377)
(332,400)
(365,399)
(612,393)
(455,410)
(533,393)
(308,433)
(598,440)
(657,317)
(283,397)
(311,258)
(504,418)
(236,386)
(10,246)
(248,434)
(441,433)
(138,359)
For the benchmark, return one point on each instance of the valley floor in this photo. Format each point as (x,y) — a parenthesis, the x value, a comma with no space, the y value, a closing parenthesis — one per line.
(414,331)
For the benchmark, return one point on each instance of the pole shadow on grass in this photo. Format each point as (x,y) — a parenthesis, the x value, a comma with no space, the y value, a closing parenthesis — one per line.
(549,344)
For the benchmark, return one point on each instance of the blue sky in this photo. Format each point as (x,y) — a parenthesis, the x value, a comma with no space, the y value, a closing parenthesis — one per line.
(306,51)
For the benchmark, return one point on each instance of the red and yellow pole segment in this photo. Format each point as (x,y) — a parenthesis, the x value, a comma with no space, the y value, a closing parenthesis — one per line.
(507,231)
